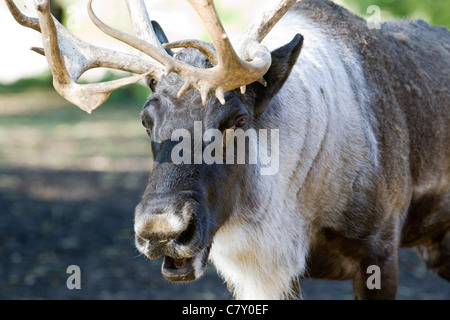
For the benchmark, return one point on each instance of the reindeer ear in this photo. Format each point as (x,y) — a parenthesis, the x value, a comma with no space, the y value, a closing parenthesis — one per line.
(161,35)
(283,59)
(163,39)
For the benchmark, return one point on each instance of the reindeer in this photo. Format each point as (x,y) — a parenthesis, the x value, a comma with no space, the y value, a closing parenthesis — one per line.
(364,142)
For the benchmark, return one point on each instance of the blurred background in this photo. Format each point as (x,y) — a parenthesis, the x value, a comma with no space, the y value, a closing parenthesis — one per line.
(69,181)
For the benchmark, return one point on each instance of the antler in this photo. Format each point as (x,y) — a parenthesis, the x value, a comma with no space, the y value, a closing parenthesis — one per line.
(69,57)
(231,71)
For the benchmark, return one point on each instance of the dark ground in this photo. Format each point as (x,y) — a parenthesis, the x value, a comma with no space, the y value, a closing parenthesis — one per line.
(53,219)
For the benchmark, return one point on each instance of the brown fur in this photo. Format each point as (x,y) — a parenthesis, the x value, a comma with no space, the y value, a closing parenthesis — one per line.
(407,67)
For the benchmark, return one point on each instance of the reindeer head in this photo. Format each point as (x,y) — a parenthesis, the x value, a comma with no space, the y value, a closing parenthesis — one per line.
(188,197)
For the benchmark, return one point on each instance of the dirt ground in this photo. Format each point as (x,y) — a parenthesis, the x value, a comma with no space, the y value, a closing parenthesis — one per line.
(53,219)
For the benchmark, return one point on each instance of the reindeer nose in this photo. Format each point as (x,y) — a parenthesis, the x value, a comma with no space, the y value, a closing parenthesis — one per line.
(152,245)
(160,219)
(159,224)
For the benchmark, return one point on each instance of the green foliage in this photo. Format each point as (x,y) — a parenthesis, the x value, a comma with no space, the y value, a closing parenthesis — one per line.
(230,16)
(436,12)
(42,81)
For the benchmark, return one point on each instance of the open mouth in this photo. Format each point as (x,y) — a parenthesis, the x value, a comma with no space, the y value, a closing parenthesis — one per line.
(185,269)
(175,269)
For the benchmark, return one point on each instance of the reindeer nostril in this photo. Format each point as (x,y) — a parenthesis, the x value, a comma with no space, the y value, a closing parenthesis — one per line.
(146,238)
(140,241)
(187,235)
(166,222)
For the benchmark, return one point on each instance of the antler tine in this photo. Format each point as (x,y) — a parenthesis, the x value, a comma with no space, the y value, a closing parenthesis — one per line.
(50,41)
(143,29)
(248,43)
(22,19)
(142,25)
(261,25)
(249,40)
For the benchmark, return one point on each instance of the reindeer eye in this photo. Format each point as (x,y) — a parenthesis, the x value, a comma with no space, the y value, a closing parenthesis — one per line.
(147,127)
(240,122)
